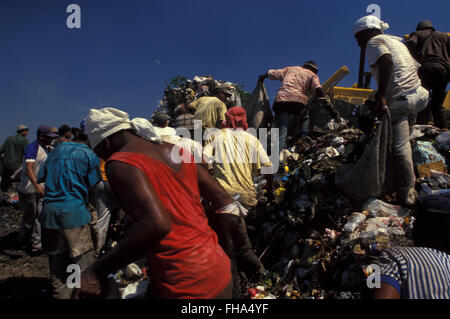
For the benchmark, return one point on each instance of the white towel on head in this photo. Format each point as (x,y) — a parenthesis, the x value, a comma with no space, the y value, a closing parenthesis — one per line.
(369,22)
(104,122)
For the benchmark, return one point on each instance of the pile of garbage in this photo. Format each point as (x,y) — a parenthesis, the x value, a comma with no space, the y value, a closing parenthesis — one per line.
(176,99)
(10,199)
(313,241)
(131,282)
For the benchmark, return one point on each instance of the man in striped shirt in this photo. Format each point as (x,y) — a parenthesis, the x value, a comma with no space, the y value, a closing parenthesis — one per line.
(414,273)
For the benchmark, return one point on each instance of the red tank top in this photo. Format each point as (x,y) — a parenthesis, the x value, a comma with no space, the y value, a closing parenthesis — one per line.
(188,262)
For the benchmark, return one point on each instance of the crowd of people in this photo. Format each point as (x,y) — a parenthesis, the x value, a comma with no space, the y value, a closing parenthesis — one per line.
(186,199)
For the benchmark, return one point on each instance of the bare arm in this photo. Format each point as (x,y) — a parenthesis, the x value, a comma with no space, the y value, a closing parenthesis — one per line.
(151,223)
(33,179)
(211,189)
(385,67)
(269,185)
(385,292)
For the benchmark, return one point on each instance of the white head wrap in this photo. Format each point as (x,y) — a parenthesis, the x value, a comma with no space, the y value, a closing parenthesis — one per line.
(104,122)
(369,22)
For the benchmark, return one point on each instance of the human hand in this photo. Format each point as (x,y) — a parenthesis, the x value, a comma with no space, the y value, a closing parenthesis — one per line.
(90,286)
(262,77)
(39,190)
(380,106)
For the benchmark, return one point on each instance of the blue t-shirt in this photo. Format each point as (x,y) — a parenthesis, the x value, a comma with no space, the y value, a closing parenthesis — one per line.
(68,172)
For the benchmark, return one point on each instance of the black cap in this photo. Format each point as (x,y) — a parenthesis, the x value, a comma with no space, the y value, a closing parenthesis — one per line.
(160,118)
(425,24)
(311,65)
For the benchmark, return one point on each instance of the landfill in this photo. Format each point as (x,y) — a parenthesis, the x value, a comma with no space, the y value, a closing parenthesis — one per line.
(176,99)
(313,241)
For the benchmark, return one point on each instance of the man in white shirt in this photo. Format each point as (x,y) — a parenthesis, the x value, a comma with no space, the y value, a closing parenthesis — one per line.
(399,89)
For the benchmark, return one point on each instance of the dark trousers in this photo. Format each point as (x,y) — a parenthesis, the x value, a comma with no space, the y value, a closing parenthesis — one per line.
(434,80)
(6,178)
(233,237)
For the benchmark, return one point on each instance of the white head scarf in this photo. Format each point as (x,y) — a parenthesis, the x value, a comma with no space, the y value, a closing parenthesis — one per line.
(104,122)
(369,22)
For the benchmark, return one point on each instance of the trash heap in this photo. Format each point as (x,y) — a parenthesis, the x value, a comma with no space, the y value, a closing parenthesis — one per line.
(176,100)
(131,282)
(316,244)
(10,199)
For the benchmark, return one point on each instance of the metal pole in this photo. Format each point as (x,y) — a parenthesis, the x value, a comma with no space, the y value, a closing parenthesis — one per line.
(362,61)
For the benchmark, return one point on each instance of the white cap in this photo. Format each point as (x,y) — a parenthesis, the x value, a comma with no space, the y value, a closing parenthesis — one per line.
(369,22)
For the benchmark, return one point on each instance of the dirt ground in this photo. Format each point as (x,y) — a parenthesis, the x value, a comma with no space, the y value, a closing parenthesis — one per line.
(21,275)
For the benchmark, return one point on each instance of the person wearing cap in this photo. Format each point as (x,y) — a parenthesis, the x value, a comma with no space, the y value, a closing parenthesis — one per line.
(235,155)
(70,173)
(162,198)
(431,49)
(399,90)
(211,109)
(12,151)
(31,191)
(298,84)
(160,121)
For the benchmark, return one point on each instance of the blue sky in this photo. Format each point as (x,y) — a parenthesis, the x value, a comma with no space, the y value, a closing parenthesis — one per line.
(125,51)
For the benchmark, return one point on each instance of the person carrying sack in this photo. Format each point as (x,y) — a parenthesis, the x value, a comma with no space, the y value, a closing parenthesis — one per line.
(400,90)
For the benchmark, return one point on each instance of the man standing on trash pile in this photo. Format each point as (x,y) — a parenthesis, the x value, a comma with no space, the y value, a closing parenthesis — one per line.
(235,155)
(31,190)
(12,151)
(211,109)
(431,49)
(70,173)
(298,83)
(162,198)
(399,90)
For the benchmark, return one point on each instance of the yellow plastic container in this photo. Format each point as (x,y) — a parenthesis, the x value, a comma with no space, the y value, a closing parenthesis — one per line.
(352,95)
(446,104)
(335,78)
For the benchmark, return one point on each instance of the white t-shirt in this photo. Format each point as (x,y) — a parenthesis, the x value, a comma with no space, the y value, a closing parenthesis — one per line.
(404,79)
(34,153)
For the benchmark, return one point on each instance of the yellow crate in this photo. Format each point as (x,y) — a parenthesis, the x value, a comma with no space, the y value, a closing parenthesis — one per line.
(352,95)
(335,78)
(446,104)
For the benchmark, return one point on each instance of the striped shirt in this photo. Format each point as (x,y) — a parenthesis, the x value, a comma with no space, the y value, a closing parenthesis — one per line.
(416,272)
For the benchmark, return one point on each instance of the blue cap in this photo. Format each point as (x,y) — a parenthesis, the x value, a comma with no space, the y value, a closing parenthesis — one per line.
(47,131)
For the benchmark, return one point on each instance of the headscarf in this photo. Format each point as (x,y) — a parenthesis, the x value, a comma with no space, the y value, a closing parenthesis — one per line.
(369,22)
(102,123)
(236,117)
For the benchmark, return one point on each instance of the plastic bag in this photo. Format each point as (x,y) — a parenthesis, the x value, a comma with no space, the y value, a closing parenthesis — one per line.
(377,208)
(259,113)
(373,174)
(354,221)
(424,152)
